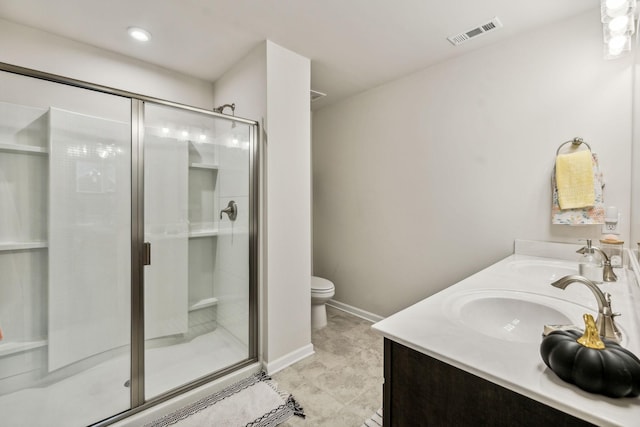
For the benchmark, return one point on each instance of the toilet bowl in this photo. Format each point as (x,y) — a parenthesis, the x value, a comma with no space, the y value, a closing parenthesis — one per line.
(322,290)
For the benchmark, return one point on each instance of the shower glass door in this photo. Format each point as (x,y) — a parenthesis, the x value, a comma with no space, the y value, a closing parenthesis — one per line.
(65,251)
(87,332)
(196,213)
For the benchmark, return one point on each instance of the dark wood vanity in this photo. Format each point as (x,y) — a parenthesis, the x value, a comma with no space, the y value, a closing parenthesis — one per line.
(422,391)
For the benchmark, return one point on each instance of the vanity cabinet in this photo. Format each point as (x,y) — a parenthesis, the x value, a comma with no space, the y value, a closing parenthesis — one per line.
(423,391)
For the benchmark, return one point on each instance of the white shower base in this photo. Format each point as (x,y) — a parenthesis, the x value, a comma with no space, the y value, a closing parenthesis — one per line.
(99,392)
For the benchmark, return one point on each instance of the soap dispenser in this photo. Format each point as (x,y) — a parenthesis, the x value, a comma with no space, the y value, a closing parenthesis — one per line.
(590,264)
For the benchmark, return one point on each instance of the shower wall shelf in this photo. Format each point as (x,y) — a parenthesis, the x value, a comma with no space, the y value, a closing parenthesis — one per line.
(10,348)
(18,148)
(203,233)
(24,163)
(203,210)
(19,246)
(204,303)
(203,166)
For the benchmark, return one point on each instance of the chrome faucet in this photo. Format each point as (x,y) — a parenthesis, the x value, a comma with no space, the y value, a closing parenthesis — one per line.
(605,324)
(607,270)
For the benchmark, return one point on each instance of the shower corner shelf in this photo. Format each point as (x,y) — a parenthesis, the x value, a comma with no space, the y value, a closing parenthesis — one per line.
(17,148)
(19,246)
(203,303)
(203,166)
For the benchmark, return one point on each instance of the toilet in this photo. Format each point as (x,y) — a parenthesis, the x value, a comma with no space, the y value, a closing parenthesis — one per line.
(322,290)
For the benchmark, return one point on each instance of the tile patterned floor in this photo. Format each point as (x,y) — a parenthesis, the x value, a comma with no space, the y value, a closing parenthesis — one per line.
(341,384)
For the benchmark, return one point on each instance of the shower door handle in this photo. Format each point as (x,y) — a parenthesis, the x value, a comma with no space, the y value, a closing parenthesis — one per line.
(231,210)
(146,253)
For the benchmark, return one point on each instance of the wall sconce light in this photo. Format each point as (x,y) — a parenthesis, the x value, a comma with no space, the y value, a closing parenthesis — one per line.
(618,25)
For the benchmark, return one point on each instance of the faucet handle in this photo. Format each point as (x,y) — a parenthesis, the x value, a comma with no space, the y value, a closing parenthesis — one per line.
(606,325)
(231,210)
(607,298)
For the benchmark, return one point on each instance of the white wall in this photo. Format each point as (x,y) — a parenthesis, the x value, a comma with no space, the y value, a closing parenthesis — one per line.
(245,84)
(635,158)
(32,48)
(428,179)
(271,85)
(288,204)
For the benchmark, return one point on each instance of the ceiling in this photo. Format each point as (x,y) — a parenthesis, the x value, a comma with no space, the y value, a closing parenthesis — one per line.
(353,45)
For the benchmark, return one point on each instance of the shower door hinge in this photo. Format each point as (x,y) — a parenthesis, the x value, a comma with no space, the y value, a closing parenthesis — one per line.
(146,253)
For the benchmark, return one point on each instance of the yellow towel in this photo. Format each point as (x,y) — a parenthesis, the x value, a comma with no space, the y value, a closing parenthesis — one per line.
(574,178)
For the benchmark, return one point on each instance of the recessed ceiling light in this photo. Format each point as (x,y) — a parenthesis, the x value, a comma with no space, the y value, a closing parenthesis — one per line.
(139,34)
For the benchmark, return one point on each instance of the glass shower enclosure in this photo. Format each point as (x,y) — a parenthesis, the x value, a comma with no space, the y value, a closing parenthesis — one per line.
(127,250)
(196,216)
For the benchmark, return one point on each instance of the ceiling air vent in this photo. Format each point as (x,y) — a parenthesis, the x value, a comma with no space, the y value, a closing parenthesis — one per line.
(315,95)
(457,39)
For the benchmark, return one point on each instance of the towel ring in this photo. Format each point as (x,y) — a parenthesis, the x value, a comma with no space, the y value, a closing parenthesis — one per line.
(575,142)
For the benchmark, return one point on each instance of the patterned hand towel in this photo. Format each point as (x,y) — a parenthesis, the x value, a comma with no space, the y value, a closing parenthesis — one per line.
(580,216)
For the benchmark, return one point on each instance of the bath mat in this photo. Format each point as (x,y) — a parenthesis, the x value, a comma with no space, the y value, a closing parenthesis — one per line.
(375,420)
(252,402)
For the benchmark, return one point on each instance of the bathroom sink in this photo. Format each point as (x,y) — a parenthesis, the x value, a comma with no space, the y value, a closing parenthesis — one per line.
(512,315)
(546,271)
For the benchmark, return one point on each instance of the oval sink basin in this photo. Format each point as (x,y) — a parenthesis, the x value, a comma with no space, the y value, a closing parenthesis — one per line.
(513,316)
(546,271)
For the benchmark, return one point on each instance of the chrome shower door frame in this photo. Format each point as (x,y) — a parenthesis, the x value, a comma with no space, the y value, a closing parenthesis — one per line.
(137,392)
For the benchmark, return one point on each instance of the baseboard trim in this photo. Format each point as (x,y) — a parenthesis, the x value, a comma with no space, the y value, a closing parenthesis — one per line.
(288,359)
(371,317)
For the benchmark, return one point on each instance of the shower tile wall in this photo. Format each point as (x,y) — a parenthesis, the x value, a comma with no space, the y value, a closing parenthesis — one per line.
(232,262)
(64,247)
(89,236)
(166,162)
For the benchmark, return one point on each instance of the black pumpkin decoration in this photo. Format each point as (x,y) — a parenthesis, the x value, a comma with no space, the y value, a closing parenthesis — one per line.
(595,366)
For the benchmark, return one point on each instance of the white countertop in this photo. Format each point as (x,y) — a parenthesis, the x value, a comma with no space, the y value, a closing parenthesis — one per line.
(510,356)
